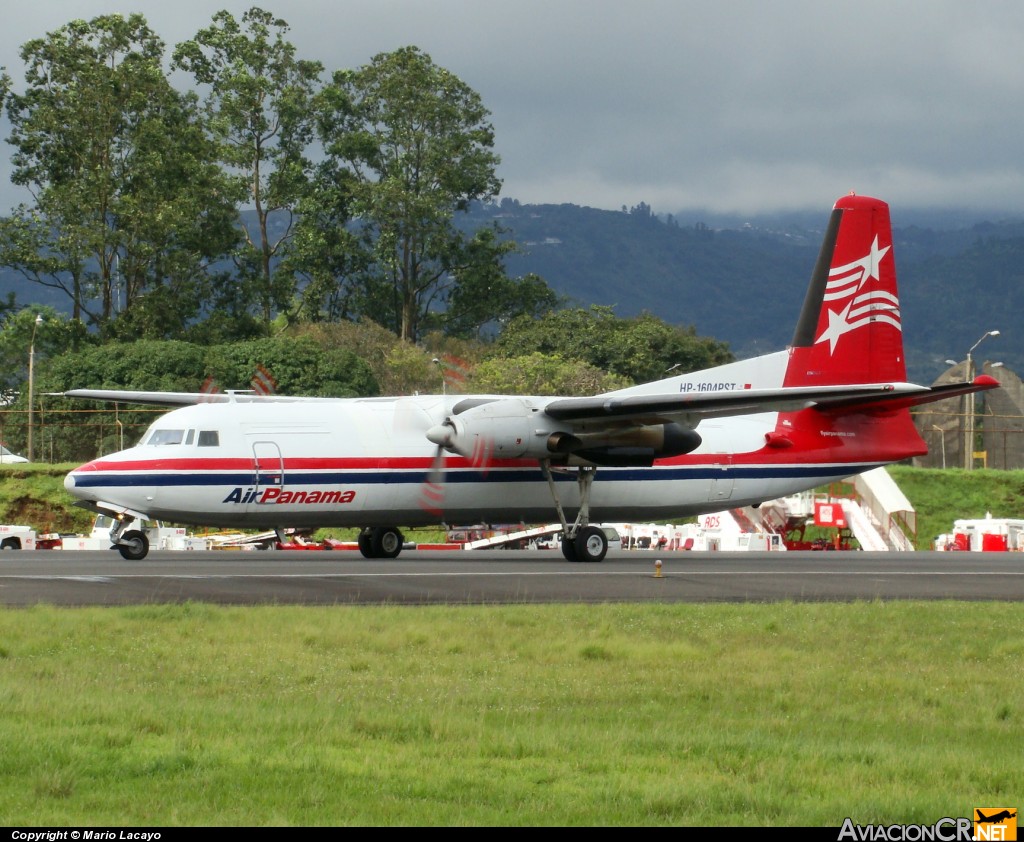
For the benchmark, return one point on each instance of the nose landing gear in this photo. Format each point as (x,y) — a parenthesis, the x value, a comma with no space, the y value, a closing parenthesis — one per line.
(133,544)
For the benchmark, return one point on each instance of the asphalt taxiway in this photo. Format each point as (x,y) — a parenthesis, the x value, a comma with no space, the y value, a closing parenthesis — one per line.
(500,576)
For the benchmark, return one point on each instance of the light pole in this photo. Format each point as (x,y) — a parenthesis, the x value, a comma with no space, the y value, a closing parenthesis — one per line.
(942,438)
(969,420)
(31,381)
(440,368)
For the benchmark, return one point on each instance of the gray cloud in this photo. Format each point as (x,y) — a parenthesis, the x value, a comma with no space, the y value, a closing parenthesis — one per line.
(732,106)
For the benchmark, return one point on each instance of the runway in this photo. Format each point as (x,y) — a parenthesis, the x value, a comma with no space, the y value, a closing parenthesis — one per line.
(502,577)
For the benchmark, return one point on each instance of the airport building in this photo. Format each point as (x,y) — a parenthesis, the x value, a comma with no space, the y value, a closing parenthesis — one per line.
(984,430)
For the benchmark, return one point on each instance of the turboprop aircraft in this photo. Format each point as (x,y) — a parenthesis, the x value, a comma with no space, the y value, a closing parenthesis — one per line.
(833,404)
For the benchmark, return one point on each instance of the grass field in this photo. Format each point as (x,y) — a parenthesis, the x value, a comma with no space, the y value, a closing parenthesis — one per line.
(588,715)
(618,715)
(942,496)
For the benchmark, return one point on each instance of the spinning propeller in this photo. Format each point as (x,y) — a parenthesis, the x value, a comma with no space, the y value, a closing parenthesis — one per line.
(452,435)
(479,450)
(432,490)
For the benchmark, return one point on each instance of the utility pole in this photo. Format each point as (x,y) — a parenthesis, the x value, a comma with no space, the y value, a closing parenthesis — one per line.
(969,420)
(31,383)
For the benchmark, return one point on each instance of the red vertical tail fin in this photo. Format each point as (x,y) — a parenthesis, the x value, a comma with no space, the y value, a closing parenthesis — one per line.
(850,329)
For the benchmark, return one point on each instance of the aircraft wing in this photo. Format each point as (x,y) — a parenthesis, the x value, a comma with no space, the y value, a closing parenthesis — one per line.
(691,408)
(178,398)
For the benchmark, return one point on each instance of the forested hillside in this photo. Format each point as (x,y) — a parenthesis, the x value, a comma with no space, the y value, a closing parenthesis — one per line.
(744,285)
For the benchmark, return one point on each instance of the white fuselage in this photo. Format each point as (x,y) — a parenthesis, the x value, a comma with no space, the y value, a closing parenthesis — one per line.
(366,462)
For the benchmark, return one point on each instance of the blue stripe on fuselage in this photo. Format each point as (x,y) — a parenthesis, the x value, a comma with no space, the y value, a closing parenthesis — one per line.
(111,479)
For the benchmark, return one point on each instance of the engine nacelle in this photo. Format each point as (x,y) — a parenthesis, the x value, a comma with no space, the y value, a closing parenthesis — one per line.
(513,428)
(635,446)
(505,429)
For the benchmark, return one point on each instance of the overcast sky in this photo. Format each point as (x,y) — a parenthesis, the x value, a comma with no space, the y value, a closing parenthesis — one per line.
(727,106)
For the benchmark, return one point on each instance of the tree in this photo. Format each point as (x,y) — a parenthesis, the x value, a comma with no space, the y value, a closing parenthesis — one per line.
(78,431)
(642,348)
(486,297)
(5,85)
(418,146)
(491,299)
(33,245)
(327,253)
(299,366)
(259,112)
(543,374)
(20,333)
(127,196)
(399,368)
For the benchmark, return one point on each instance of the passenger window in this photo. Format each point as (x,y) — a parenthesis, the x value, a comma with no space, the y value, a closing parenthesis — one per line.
(209,438)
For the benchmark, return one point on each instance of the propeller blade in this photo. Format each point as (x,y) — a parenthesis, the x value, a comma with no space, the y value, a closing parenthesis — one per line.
(483,454)
(432,490)
(447,437)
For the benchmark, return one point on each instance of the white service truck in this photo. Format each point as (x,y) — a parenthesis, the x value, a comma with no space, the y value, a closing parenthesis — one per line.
(17,537)
(160,537)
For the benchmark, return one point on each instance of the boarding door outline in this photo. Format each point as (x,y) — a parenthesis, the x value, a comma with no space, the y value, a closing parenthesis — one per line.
(268,469)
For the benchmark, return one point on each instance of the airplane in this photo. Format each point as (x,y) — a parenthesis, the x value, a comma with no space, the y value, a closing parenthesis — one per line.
(995,818)
(833,404)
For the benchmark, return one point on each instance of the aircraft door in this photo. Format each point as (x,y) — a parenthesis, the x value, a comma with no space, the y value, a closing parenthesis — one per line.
(268,469)
(722,481)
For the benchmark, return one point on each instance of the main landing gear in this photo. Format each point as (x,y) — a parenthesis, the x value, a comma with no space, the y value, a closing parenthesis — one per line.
(380,542)
(590,544)
(580,541)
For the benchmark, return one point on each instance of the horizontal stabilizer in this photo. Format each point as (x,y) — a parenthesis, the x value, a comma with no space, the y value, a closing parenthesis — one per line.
(904,401)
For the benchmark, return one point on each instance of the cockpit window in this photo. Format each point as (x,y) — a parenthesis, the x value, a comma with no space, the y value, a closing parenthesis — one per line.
(159,437)
(209,438)
(190,436)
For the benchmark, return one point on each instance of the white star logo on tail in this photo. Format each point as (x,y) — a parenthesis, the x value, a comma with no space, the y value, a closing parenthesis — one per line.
(845,283)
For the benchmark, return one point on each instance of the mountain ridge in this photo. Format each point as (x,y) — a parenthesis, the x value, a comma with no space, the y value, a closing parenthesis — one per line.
(745,285)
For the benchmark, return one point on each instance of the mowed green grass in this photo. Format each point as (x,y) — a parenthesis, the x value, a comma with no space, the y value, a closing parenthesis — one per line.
(781,714)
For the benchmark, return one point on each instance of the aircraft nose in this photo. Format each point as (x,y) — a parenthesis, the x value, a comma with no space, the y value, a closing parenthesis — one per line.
(71,480)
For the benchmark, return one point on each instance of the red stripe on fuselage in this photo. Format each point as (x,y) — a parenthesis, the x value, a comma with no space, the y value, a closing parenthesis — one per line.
(291,464)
